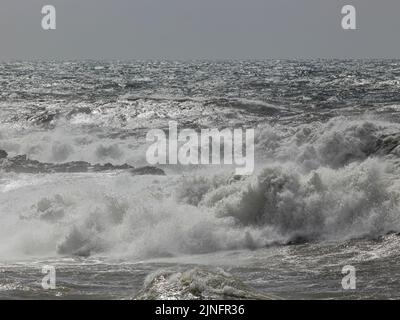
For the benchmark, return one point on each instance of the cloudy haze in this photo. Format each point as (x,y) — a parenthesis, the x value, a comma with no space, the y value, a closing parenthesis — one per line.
(198,29)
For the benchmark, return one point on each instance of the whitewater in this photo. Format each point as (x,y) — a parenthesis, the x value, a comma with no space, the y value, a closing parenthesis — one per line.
(77,193)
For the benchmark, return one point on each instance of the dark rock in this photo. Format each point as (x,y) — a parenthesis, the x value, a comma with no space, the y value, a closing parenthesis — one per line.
(20,158)
(21,164)
(299,240)
(3,154)
(109,166)
(74,166)
(387,144)
(143,171)
(82,110)
(44,118)
(236,178)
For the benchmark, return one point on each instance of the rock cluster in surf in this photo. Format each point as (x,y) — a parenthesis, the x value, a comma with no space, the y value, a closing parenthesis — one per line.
(22,164)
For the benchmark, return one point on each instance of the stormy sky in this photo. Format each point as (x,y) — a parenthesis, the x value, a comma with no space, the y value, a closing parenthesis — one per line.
(198,29)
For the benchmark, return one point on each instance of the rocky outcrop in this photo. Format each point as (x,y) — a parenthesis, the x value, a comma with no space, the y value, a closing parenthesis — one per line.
(144,171)
(389,144)
(3,154)
(22,164)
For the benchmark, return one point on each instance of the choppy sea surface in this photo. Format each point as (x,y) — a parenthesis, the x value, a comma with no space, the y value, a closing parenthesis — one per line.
(325,192)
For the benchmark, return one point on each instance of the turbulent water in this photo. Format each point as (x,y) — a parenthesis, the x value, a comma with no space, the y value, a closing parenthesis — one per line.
(325,192)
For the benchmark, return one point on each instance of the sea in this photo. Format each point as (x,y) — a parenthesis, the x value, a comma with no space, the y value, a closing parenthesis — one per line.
(324,197)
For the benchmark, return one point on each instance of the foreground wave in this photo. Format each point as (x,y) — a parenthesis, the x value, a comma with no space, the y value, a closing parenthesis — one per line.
(197,284)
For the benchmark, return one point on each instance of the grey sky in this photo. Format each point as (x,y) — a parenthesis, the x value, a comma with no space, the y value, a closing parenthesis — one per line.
(198,29)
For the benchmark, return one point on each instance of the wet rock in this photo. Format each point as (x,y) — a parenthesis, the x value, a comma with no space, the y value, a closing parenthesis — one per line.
(109,166)
(299,240)
(3,154)
(44,118)
(388,145)
(21,164)
(235,178)
(74,166)
(143,171)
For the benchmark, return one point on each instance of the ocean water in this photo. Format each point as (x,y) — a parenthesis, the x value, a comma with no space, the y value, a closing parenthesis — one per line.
(325,192)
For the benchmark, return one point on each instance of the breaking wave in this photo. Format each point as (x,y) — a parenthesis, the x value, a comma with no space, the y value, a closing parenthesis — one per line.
(197,284)
(322,181)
